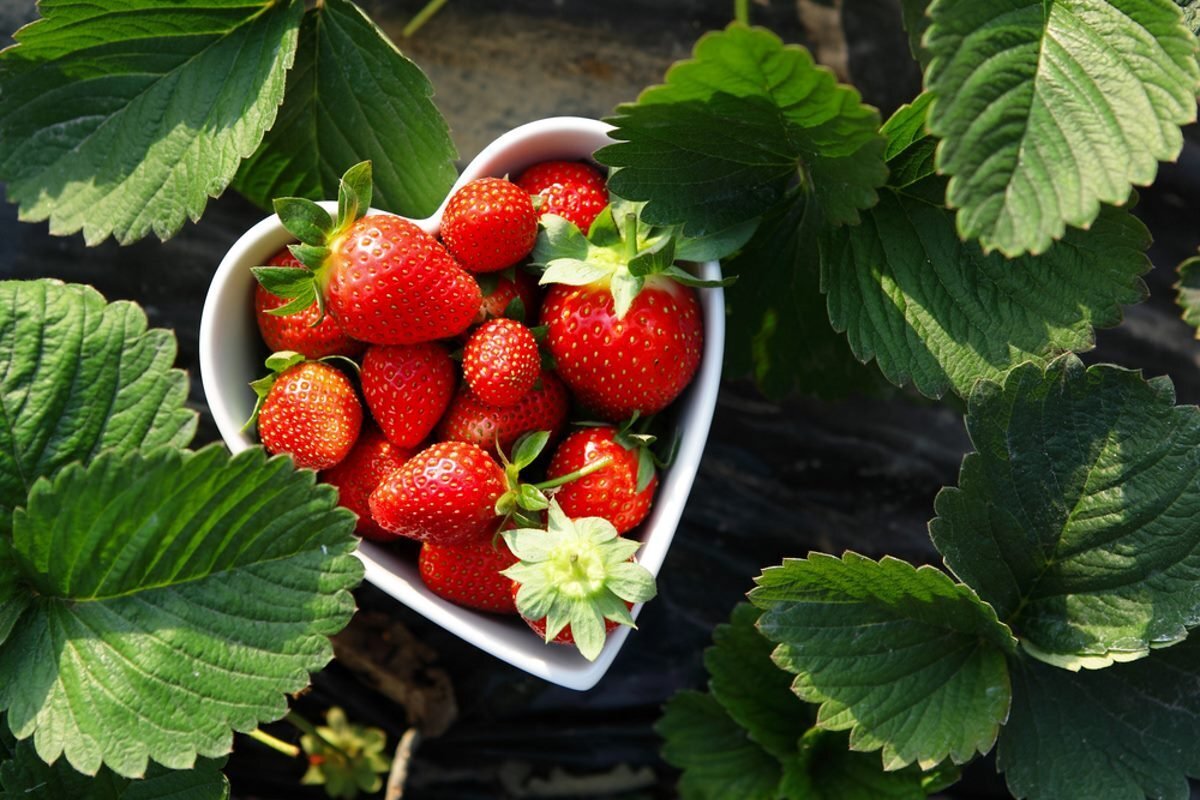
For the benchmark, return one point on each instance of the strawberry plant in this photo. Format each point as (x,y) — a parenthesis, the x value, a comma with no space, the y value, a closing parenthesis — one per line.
(969,245)
(153,599)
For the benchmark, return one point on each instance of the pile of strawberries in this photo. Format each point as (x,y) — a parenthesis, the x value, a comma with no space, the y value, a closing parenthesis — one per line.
(426,378)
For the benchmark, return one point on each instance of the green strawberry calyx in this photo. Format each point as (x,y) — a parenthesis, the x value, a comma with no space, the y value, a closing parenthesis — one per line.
(318,233)
(619,253)
(523,503)
(579,573)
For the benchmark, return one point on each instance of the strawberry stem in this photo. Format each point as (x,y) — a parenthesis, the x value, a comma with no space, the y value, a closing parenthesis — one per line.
(270,741)
(631,248)
(574,476)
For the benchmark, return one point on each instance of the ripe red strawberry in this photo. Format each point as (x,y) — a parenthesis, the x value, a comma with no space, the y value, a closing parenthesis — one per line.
(501,362)
(577,574)
(389,282)
(469,419)
(620,492)
(310,410)
(489,224)
(571,189)
(499,292)
(360,473)
(469,574)
(639,362)
(384,279)
(407,389)
(300,332)
(444,494)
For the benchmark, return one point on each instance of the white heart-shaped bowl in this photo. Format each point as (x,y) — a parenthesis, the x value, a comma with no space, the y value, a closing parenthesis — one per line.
(232,354)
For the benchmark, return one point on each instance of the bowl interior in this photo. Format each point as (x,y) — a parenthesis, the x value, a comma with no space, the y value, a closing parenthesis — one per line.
(231,355)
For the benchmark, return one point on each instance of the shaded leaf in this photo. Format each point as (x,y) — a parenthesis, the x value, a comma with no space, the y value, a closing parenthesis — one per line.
(352,95)
(1122,733)
(754,692)
(179,597)
(1188,290)
(778,329)
(937,312)
(827,769)
(884,648)
(24,776)
(1076,516)
(80,376)
(718,759)
(111,121)
(1050,108)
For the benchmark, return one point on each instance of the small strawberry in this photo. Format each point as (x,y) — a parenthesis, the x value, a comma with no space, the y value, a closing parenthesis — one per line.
(371,460)
(469,574)
(621,364)
(444,494)
(384,279)
(407,389)
(517,297)
(308,409)
(301,331)
(469,419)
(489,224)
(501,362)
(576,574)
(621,492)
(571,189)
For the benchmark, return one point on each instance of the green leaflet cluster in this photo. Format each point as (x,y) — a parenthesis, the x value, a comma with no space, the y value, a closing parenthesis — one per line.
(119,129)
(1073,540)
(948,251)
(152,599)
(750,737)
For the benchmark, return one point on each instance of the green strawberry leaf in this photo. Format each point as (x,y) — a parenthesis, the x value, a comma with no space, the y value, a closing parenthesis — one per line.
(937,312)
(1188,290)
(827,769)
(14,598)
(1050,108)
(80,376)
(25,776)
(916,21)
(176,597)
(349,758)
(288,282)
(718,759)
(1075,517)
(112,122)
(884,647)
(777,303)
(353,96)
(756,693)
(1113,734)
(559,238)
(304,219)
(722,140)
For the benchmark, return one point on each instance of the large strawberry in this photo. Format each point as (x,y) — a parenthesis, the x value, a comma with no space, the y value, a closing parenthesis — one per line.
(618,364)
(501,362)
(489,224)
(305,332)
(453,493)
(621,492)
(469,574)
(407,388)
(623,322)
(308,409)
(576,575)
(371,460)
(444,494)
(469,419)
(384,279)
(573,190)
